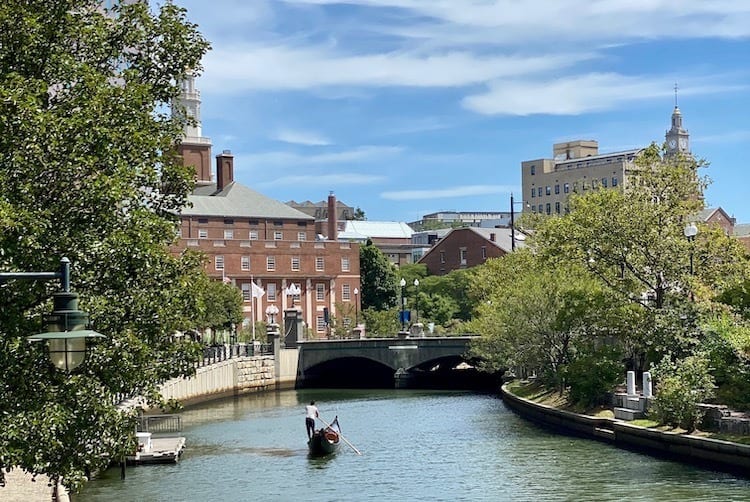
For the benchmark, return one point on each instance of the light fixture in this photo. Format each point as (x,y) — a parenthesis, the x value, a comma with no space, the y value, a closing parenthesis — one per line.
(271,312)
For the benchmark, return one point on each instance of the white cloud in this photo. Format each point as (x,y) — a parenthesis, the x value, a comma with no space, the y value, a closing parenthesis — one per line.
(293,159)
(447,193)
(327,180)
(301,138)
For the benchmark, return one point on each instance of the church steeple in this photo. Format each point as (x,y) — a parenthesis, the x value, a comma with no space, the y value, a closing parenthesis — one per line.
(194,148)
(678,139)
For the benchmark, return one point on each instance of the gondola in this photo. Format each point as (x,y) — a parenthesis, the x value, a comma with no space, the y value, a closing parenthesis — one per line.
(325,441)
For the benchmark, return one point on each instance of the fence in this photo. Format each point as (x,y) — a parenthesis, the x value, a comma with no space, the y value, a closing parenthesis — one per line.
(218,353)
(160,423)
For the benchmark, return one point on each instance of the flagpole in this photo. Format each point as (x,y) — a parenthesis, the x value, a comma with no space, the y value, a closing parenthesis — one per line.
(252,305)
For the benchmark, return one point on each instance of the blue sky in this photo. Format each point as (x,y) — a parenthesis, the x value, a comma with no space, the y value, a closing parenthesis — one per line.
(407,107)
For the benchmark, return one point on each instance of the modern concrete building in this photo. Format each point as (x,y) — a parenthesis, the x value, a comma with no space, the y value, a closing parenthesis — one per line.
(393,238)
(463,219)
(578,166)
(253,241)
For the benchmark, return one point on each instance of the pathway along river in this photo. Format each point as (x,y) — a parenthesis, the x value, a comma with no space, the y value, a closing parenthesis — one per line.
(415,445)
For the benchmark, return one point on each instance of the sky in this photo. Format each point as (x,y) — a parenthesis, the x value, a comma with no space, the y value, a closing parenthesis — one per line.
(408,107)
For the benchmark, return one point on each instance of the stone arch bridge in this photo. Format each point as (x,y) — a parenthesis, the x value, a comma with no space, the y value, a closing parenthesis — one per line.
(383,362)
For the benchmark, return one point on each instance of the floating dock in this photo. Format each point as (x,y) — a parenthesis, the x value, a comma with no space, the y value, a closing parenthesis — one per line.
(159,450)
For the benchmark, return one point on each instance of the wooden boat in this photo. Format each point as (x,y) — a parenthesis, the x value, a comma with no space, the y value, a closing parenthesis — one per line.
(325,441)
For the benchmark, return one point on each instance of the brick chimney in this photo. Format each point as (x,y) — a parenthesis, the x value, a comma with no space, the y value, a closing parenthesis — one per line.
(332,217)
(224,169)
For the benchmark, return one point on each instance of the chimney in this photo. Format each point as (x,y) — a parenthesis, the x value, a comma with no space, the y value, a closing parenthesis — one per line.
(492,237)
(332,217)
(224,169)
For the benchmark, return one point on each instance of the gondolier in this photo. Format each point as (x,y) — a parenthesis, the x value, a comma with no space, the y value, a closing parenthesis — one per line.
(312,413)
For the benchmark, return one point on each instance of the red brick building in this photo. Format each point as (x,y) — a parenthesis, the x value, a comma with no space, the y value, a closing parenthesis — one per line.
(248,237)
(467,247)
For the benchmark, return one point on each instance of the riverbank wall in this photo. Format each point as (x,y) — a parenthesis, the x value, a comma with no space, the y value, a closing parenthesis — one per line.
(235,377)
(705,452)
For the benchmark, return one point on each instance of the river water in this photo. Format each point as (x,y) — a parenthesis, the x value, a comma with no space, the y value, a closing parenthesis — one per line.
(415,445)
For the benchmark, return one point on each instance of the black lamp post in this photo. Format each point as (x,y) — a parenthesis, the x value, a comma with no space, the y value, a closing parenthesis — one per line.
(690,231)
(66,328)
(513,222)
(403,302)
(356,307)
(416,301)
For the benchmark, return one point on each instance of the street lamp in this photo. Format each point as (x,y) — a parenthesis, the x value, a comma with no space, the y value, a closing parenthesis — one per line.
(513,222)
(403,301)
(356,307)
(271,312)
(294,291)
(690,231)
(66,328)
(416,301)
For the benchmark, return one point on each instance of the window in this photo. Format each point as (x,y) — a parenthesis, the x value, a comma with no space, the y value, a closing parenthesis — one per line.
(604,182)
(301,236)
(270,263)
(295,263)
(202,233)
(253,235)
(228,234)
(228,221)
(541,208)
(484,252)
(246,293)
(252,223)
(566,188)
(320,292)
(345,264)
(442,256)
(203,220)
(278,223)
(594,184)
(271,291)
(557,207)
(245,263)
(533,193)
(319,264)
(320,323)
(346,294)
(278,235)
(219,262)
(557,189)
(462,255)
(547,190)
(614,181)
(548,208)
(533,170)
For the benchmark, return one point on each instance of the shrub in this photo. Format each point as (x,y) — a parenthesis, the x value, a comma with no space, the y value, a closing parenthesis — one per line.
(591,377)
(680,387)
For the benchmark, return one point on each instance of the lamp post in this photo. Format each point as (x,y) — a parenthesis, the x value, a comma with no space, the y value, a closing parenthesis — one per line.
(690,231)
(271,312)
(294,291)
(513,222)
(66,328)
(356,307)
(402,283)
(416,301)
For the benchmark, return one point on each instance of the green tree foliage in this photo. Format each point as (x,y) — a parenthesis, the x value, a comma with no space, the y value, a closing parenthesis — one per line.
(219,305)
(381,323)
(88,171)
(359,215)
(682,385)
(380,289)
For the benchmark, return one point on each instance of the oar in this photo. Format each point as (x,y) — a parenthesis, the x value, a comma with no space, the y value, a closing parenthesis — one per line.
(342,437)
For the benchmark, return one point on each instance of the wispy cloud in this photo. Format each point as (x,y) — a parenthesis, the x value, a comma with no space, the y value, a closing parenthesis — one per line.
(327,180)
(301,138)
(741,136)
(448,193)
(294,159)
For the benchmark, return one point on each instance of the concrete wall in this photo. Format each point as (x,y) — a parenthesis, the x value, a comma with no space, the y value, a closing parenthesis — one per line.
(236,376)
(713,453)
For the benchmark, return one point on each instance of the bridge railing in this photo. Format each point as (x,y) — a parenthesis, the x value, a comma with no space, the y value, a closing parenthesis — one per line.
(218,353)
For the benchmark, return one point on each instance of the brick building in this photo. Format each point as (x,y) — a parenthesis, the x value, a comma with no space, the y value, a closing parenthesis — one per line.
(468,247)
(250,238)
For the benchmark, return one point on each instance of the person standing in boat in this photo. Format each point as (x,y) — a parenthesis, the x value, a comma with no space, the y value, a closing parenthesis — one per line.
(312,413)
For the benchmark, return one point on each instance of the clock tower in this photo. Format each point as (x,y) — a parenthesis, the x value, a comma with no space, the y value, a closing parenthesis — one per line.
(677,138)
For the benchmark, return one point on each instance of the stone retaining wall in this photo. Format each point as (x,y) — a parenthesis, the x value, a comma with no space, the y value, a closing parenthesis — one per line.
(711,453)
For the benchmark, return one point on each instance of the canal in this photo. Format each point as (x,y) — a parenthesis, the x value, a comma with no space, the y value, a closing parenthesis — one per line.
(416,445)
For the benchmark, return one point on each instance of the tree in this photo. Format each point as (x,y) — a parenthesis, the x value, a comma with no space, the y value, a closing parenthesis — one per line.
(219,305)
(380,287)
(88,171)
(359,215)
